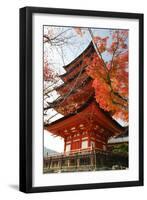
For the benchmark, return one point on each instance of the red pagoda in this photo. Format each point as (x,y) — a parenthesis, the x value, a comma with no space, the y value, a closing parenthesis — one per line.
(85,127)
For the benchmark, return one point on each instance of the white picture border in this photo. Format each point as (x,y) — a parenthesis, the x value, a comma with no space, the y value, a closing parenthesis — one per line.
(131,174)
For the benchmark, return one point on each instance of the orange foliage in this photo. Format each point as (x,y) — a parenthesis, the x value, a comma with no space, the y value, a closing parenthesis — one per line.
(110,79)
(100,43)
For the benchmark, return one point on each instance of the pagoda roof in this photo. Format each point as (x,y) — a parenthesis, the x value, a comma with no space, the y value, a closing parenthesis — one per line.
(78,57)
(71,79)
(68,72)
(102,117)
(59,99)
(125,134)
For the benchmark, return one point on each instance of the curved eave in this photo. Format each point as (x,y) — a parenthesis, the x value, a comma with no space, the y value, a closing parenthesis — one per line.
(68,72)
(73,92)
(77,58)
(70,80)
(103,118)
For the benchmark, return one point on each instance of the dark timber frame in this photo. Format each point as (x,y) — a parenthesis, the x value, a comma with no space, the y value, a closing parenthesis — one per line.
(26,98)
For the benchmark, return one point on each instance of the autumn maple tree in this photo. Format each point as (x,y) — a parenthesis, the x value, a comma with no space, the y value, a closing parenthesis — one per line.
(110,77)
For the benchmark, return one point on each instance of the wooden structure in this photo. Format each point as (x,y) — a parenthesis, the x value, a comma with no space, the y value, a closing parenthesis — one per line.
(119,143)
(85,127)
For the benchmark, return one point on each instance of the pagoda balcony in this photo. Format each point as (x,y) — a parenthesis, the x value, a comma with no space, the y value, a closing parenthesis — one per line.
(85,160)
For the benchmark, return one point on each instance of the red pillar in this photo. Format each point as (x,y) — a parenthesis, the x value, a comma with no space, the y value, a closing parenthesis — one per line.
(71,147)
(80,146)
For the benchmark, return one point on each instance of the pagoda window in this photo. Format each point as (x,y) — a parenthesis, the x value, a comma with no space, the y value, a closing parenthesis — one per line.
(76,145)
(84,144)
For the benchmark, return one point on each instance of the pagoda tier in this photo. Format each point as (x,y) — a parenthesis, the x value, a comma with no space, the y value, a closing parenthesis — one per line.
(76,63)
(88,127)
(74,98)
(74,72)
(72,82)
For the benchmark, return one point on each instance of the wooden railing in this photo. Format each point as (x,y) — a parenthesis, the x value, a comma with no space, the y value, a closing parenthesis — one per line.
(80,152)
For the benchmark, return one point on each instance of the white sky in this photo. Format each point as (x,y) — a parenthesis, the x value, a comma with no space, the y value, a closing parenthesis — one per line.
(54,143)
(58,59)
